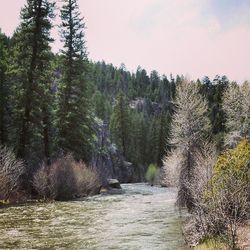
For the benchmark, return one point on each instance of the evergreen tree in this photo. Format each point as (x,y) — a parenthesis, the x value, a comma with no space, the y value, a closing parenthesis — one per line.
(153,141)
(120,124)
(158,138)
(4,88)
(74,116)
(163,135)
(30,72)
(138,143)
(102,107)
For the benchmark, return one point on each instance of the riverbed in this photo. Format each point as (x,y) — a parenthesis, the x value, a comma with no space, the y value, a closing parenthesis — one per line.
(143,217)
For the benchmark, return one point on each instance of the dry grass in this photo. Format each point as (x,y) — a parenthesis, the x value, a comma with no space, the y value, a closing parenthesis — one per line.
(243,241)
(211,245)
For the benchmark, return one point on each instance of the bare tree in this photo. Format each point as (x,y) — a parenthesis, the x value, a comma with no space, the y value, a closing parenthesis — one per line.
(197,226)
(190,127)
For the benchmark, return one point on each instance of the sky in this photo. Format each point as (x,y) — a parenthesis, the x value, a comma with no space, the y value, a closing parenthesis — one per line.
(189,37)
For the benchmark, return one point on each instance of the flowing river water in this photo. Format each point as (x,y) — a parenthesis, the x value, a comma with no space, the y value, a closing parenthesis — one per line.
(143,217)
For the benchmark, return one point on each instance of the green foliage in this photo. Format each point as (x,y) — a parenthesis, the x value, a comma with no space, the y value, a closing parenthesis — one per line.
(74,118)
(227,199)
(101,105)
(120,124)
(151,173)
(213,91)
(138,140)
(4,88)
(30,79)
(234,163)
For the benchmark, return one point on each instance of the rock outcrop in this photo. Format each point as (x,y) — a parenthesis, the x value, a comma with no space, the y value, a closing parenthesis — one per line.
(107,160)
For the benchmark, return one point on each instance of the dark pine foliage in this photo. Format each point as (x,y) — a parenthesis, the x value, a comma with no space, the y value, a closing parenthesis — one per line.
(74,117)
(30,79)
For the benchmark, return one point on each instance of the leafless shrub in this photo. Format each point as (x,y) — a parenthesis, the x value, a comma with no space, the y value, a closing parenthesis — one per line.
(11,171)
(65,179)
(44,183)
(87,180)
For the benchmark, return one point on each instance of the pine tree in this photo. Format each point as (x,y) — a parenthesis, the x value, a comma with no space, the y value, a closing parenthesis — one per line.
(120,124)
(153,141)
(102,107)
(74,117)
(30,74)
(158,138)
(163,135)
(137,147)
(4,88)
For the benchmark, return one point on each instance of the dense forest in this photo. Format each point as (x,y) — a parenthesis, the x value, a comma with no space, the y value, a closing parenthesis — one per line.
(67,124)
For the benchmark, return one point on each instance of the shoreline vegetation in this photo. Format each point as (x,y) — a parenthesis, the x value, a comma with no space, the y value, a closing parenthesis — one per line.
(212,184)
(63,179)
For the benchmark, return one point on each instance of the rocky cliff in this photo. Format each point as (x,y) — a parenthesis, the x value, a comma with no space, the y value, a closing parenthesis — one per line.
(107,159)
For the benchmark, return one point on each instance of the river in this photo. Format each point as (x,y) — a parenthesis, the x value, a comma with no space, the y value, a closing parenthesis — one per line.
(143,217)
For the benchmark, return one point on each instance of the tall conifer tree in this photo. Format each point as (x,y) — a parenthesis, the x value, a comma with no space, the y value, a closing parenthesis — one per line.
(74,117)
(120,124)
(31,80)
(4,88)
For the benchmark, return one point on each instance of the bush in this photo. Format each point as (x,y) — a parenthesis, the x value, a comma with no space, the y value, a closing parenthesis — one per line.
(225,202)
(62,175)
(44,183)
(87,181)
(11,171)
(151,174)
(65,179)
(229,198)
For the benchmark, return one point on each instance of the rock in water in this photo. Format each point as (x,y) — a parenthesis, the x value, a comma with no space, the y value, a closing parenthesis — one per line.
(114,183)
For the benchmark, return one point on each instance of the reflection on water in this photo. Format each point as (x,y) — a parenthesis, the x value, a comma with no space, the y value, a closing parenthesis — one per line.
(143,217)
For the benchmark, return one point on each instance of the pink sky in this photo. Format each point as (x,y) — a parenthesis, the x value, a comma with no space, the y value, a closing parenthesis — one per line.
(189,37)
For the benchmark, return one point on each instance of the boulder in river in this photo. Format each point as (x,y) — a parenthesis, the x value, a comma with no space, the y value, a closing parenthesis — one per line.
(114,183)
